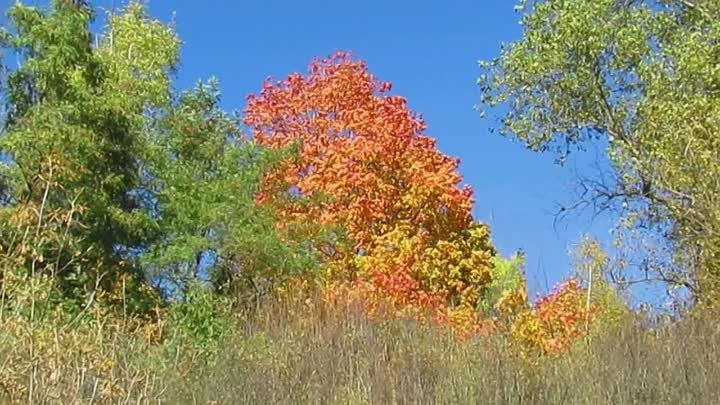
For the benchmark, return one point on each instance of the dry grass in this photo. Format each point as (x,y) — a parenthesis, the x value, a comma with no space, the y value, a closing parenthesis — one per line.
(346,359)
(340,357)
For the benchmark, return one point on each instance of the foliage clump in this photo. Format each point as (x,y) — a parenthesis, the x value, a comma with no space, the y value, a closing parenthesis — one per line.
(393,222)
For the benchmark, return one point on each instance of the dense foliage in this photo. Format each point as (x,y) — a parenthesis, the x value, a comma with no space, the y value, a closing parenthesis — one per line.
(114,182)
(642,78)
(397,223)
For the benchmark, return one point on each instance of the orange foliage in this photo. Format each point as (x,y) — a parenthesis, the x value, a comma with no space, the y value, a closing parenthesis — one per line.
(364,166)
(556,320)
(362,149)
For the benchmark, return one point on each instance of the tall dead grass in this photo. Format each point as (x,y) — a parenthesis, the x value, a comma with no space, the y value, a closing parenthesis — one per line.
(338,356)
(341,357)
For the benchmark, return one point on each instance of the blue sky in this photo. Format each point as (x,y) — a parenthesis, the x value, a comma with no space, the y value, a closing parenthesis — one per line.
(429,51)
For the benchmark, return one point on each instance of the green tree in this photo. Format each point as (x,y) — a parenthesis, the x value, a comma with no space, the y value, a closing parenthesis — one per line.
(204,175)
(508,278)
(74,136)
(111,182)
(643,79)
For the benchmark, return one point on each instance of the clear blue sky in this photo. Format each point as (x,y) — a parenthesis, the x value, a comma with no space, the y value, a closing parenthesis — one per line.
(429,50)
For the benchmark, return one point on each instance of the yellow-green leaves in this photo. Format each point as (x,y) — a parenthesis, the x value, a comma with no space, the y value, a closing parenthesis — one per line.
(644,80)
(140,52)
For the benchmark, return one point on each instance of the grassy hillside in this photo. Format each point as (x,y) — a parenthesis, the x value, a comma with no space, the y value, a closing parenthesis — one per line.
(338,356)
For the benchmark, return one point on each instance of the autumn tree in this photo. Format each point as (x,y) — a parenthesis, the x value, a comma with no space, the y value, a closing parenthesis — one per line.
(391,215)
(642,78)
(555,321)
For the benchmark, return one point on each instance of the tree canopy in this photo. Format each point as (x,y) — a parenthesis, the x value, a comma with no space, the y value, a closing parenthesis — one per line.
(641,78)
(111,177)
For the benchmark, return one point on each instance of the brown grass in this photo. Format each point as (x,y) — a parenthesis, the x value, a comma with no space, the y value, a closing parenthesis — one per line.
(343,358)
(337,356)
